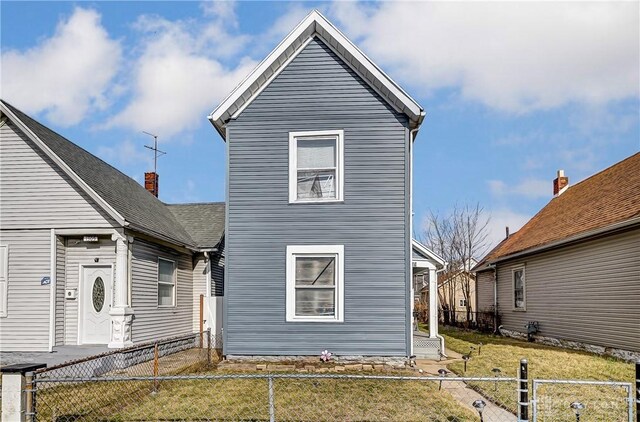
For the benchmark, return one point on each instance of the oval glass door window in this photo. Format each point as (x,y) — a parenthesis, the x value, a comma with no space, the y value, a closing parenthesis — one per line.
(97,295)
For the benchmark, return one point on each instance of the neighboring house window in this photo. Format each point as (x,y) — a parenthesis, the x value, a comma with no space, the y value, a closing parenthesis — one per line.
(4,279)
(166,282)
(316,166)
(315,283)
(463,302)
(519,299)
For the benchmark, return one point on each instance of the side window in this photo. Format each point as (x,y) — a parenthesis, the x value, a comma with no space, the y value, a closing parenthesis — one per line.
(316,162)
(166,283)
(4,279)
(519,298)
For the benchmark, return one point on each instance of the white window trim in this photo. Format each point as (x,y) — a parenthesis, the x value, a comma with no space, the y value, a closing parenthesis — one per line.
(293,166)
(313,250)
(175,283)
(513,288)
(4,286)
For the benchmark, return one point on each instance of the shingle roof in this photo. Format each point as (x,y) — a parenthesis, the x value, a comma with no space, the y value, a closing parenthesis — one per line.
(604,199)
(484,262)
(131,200)
(204,221)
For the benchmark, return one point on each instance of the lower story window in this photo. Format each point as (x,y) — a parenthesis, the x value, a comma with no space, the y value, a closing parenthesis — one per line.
(166,282)
(315,283)
(519,298)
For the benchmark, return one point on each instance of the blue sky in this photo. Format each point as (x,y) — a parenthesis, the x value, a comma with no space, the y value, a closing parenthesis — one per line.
(513,91)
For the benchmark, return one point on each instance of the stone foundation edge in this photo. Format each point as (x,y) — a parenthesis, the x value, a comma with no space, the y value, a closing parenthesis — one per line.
(626,355)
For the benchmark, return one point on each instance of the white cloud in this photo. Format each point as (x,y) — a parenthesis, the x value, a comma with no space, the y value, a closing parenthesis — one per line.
(528,188)
(501,218)
(126,153)
(178,79)
(66,75)
(516,57)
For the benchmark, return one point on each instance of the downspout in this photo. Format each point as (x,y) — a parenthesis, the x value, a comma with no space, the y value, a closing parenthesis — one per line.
(442,349)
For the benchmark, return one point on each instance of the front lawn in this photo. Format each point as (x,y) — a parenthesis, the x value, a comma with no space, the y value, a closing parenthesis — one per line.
(546,362)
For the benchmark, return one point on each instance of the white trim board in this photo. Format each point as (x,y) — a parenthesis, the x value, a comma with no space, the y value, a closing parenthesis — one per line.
(314,24)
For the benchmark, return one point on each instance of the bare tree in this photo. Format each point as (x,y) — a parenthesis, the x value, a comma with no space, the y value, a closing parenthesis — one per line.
(458,237)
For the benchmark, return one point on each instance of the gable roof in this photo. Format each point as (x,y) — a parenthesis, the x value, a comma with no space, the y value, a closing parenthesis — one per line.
(601,203)
(203,221)
(123,198)
(486,261)
(314,25)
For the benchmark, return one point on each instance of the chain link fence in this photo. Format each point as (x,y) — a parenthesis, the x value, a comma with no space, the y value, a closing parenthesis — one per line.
(272,397)
(173,355)
(571,400)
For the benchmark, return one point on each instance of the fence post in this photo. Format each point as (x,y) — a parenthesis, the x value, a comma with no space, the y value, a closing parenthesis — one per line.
(272,409)
(523,392)
(637,391)
(16,394)
(156,364)
(208,346)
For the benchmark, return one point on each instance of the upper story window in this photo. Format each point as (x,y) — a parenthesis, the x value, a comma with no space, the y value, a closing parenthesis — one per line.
(519,297)
(316,163)
(166,282)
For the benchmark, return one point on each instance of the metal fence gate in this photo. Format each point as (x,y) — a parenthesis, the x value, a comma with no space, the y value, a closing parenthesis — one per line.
(571,400)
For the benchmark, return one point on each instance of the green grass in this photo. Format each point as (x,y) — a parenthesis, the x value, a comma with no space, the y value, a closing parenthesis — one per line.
(247,399)
(545,362)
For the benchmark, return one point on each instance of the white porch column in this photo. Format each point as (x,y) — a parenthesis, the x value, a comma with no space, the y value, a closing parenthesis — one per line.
(433,303)
(121,312)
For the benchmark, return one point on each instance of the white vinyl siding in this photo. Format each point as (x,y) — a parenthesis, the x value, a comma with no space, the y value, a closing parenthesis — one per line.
(166,282)
(36,193)
(4,279)
(153,321)
(316,166)
(26,326)
(315,283)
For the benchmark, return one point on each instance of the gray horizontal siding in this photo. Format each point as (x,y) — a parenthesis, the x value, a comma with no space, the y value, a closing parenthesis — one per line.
(79,253)
(36,193)
(217,271)
(317,91)
(587,293)
(26,327)
(152,322)
(484,285)
(201,283)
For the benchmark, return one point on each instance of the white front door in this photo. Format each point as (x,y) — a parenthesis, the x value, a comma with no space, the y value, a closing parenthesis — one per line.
(95,305)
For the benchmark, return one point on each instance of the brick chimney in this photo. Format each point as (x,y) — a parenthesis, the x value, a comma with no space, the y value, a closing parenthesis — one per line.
(151,183)
(560,183)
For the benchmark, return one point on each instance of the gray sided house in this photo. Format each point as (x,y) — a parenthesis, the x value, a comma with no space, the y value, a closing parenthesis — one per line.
(574,268)
(318,230)
(87,255)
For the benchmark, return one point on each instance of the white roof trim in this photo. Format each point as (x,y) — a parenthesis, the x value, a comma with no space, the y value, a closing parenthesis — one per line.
(83,185)
(428,252)
(312,25)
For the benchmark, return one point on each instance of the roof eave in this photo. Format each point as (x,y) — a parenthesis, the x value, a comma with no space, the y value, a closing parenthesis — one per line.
(601,231)
(314,24)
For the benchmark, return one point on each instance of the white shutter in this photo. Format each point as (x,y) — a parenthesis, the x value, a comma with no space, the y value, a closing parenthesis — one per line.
(4,279)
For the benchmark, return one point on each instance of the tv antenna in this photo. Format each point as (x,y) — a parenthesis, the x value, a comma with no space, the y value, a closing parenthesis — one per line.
(156,152)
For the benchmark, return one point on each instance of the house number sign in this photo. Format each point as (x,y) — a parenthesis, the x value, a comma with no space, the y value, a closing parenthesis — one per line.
(45,281)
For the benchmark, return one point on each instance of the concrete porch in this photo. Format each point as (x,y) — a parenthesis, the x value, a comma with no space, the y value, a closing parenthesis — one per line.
(60,354)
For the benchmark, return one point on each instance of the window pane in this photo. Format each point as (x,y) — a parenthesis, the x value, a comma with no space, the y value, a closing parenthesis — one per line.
(316,184)
(314,302)
(165,271)
(165,294)
(316,153)
(315,271)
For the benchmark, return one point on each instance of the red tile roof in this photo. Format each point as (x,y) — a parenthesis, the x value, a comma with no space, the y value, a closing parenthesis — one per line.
(608,197)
